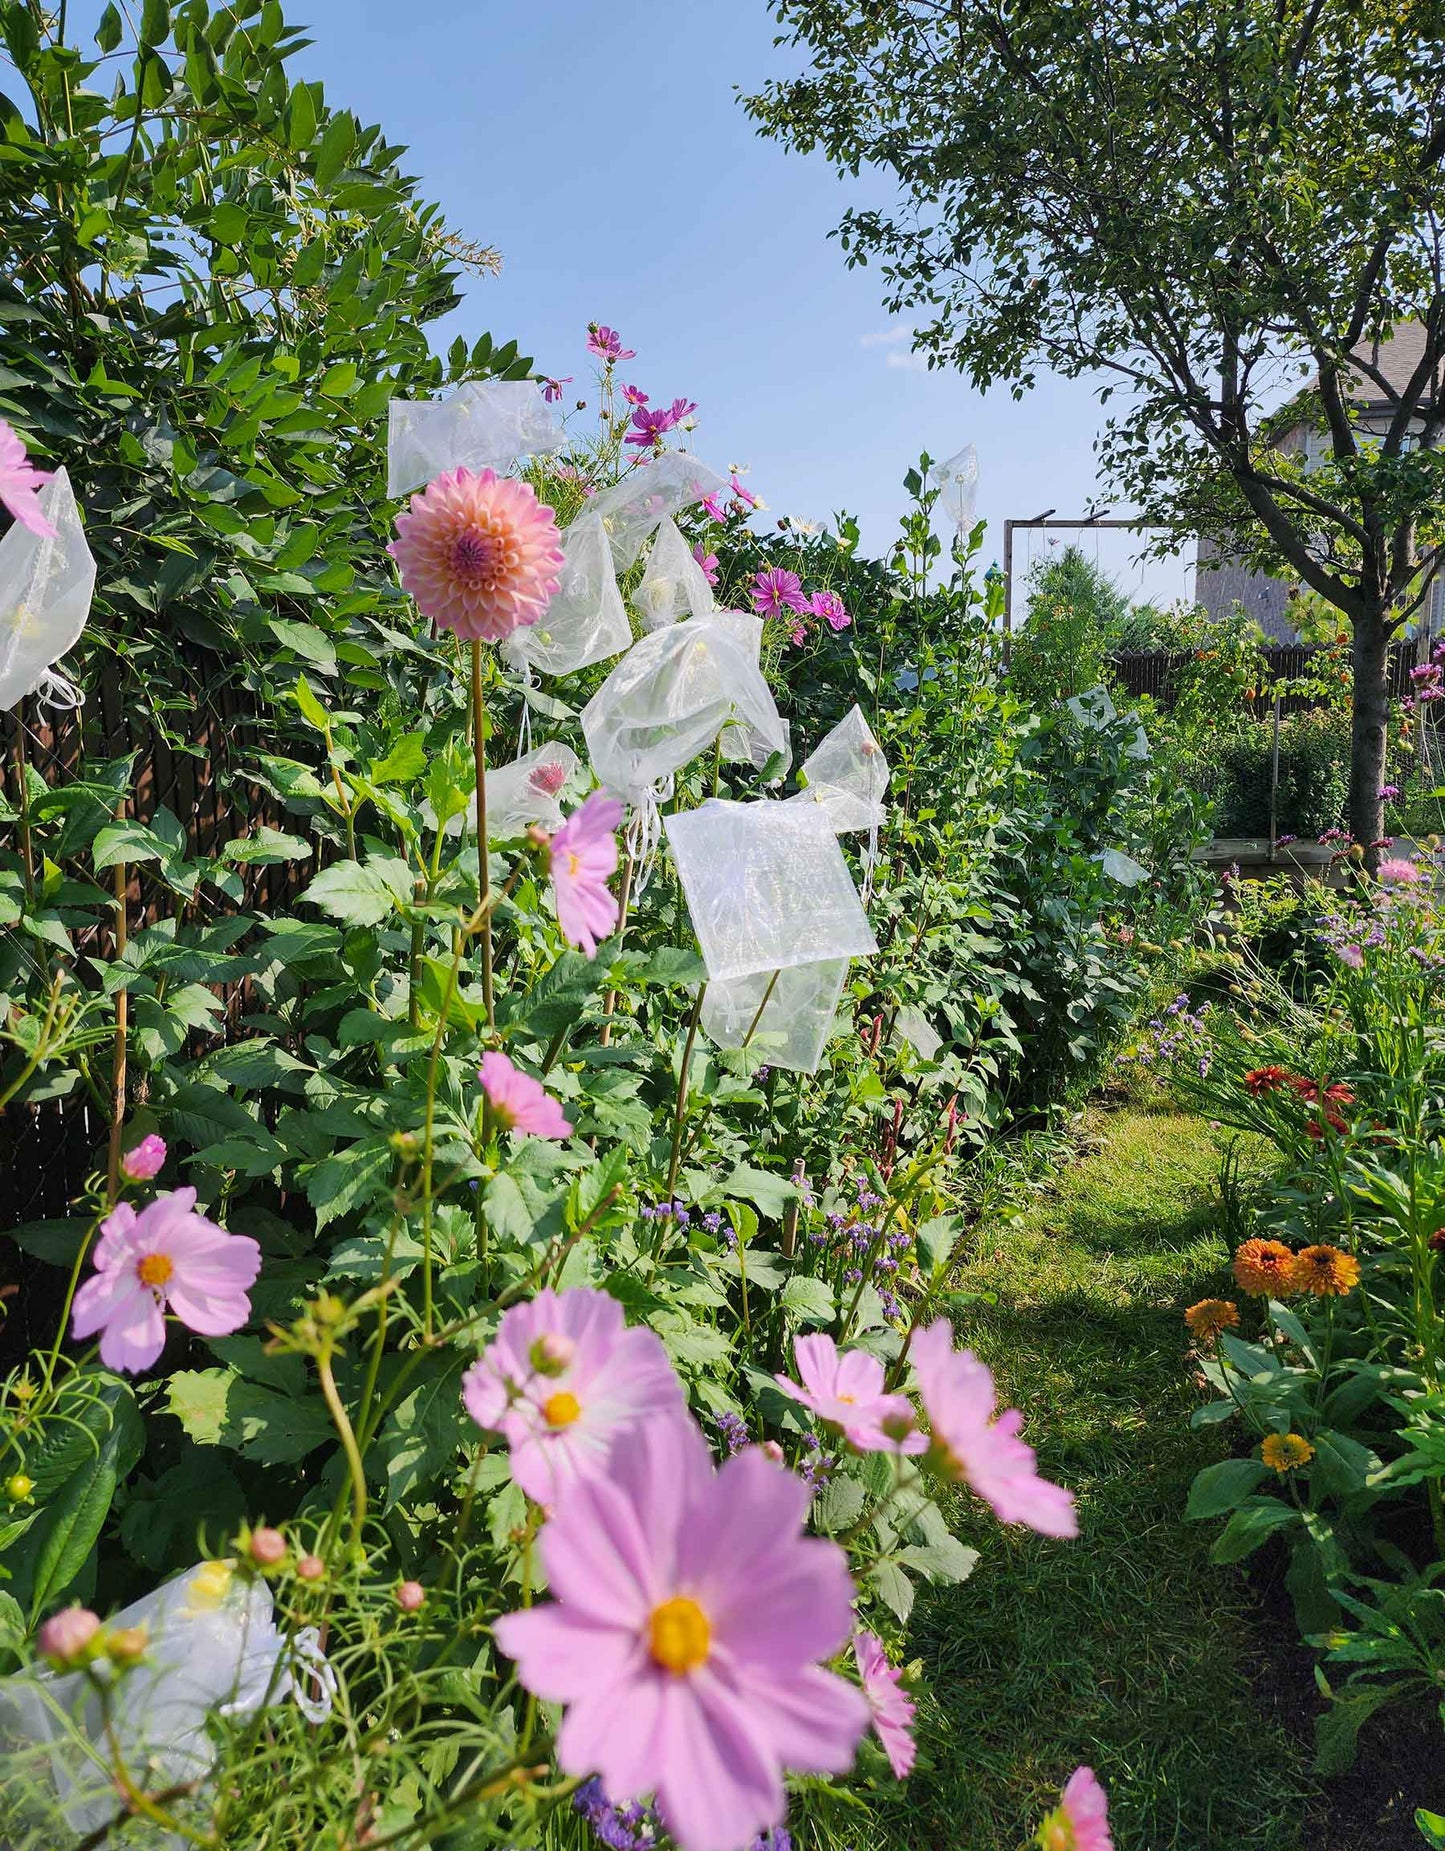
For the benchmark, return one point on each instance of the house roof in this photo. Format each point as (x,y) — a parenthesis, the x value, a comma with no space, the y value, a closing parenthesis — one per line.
(1396,358)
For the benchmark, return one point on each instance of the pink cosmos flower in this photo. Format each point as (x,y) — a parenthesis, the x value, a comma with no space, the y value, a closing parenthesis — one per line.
(684,1639)
(479,554)
(890,1703)
(144,1160)
(649,427)
(517,1102)
(552,388)
(776,590)
(583,858)
(562,1380)
(848,1391)
(971,1446)
(1081,1822)
(829,606)
(682,408)
(19,482)
(548,779)
(1353,955)
(714,508)
(797,636)
(634,395)
(606,344)
(167,1255)
(707,560)
(745,495)
(1400,873)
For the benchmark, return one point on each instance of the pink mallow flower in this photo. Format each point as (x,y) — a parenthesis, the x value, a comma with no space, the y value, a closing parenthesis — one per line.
(583,858)
(479,554)
(562,1380)
(707,561)
(776,590)
(606,344)
(165,1256)
(689,1617)
(144,1160)
(20,481)
(1398,872)
(847,1391)
(890,1703)
(829,606)
(971,1447)
(1081,1821)
(517,1102)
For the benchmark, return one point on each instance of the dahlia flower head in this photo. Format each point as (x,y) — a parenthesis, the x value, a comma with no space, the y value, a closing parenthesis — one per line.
(164,1257)
(479,554)
(684,1639)
(562,1380)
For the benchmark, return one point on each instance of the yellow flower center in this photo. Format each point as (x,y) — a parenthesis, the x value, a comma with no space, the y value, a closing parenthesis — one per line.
(1056,1833)
(210,1584)
(561,1409)
(679,1635)
(850,1399)
(154,1269)
(574,862)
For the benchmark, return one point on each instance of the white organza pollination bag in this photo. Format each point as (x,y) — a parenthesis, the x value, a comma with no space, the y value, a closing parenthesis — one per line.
(213,1645)
(957,482)
(528,790)
(785,1016)
(46,585)
(846,776)
(484,424)
(586,621)
(634,508)
(674,585)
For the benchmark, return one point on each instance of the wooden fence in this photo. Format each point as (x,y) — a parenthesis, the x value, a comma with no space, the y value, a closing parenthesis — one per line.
(1155,672)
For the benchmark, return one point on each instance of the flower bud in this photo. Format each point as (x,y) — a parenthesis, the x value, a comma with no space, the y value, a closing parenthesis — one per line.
(267,1547)
(552,1353)
(410,1595)
(67,1637)
(327,1308)
(143,1161)
(774,1451)
(18,1487)
(310,1568)
(897,1426)
(1437,1241)
(406,1144)
(128,1644)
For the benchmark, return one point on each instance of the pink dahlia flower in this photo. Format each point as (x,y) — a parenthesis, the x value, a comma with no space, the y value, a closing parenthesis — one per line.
(1081,1821)
(479,554)
(848,1391)
(684,1639)
(606,344)
(890,1703)
(165,1256)
(517,1102)
(776,591)
(829,606)
(707,561)
(548,778)
(144,1160)
(20,481)
(1398,872)
(583,858)
(971,1446)
(562,1380)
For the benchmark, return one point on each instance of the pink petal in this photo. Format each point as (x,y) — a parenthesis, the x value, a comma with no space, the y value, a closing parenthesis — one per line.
(562,1656)
(812,1720)
(135,1334)
(719,1784)
(614,1730)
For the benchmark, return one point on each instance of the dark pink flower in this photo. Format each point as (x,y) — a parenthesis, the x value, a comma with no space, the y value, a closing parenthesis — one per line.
(606,344)
(68,1636)
(682,408)
(797,636)
(634,395)
(714,509)
(552,388)
(411,1596)
(144,1160)
(707,560)
(19,482)
(583,858)
(777,590)
(890,1703)
(745,494)
(685,1637)
(548,778)
(829,606)
(649,427)
(1397,872)
(479,554)
(517,1102)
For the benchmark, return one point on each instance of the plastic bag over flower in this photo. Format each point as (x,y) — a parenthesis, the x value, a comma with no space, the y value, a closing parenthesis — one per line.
(846,775)
(674,585)
(799,1007)
(957,481)
(637,506)
(484,424)
(586,620)
(47,581)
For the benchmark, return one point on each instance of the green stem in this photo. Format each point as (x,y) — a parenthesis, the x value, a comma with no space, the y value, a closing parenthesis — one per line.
(680,1109)
(479,753)
(348,1446)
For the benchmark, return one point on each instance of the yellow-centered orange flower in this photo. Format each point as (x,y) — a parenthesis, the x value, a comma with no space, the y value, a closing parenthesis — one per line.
(1211,1316)
(1265,1269)
(1286,1452)
(1325,1272)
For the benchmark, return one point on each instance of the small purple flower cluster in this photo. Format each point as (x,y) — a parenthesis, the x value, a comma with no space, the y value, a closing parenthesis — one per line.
(732,1430)
(864,1247)
(817,1467)
(636,1828)
(1179,1032)
(1335,838)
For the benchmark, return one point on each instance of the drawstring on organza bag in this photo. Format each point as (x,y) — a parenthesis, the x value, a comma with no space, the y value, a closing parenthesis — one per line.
(310,1677)
(54,690)
(644,832)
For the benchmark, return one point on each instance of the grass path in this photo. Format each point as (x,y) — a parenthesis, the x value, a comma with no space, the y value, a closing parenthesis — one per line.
(1126,1649)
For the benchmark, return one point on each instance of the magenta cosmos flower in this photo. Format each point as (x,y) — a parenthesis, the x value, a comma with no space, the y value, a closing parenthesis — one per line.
(707,561)
(689,1617)
(552,389)
(517,1102)
(829,606)
(890,1703)
(19,482)
(479,554)
(1398,872)
(606,344)
(583,858)
(562,1380)
(970,1446)
(776,590)
(144,1160)
(165,1256)
(650,426)
(847,1390)
(1081,1822)
(713,507)
(634,395)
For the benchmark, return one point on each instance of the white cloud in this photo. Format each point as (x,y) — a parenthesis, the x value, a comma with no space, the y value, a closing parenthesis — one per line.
(887,337)
(909,362)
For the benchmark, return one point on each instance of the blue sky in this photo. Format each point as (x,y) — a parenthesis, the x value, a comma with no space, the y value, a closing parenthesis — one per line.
(601,149)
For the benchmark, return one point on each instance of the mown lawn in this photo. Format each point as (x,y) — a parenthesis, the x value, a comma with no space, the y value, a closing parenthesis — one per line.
(1126,1649)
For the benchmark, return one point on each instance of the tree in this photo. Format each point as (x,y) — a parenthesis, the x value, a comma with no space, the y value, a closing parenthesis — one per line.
(1075,615)
(1216,204)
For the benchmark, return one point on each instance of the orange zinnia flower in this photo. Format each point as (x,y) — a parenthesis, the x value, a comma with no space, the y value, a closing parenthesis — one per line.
(1264,1268)
(1211,1316)
(1286,1452)
(1325,1272)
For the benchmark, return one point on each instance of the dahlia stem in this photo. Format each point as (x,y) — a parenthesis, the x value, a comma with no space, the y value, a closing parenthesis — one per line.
(479,752)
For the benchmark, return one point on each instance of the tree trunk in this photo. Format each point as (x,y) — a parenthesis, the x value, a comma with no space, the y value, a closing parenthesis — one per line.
(1367,736)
